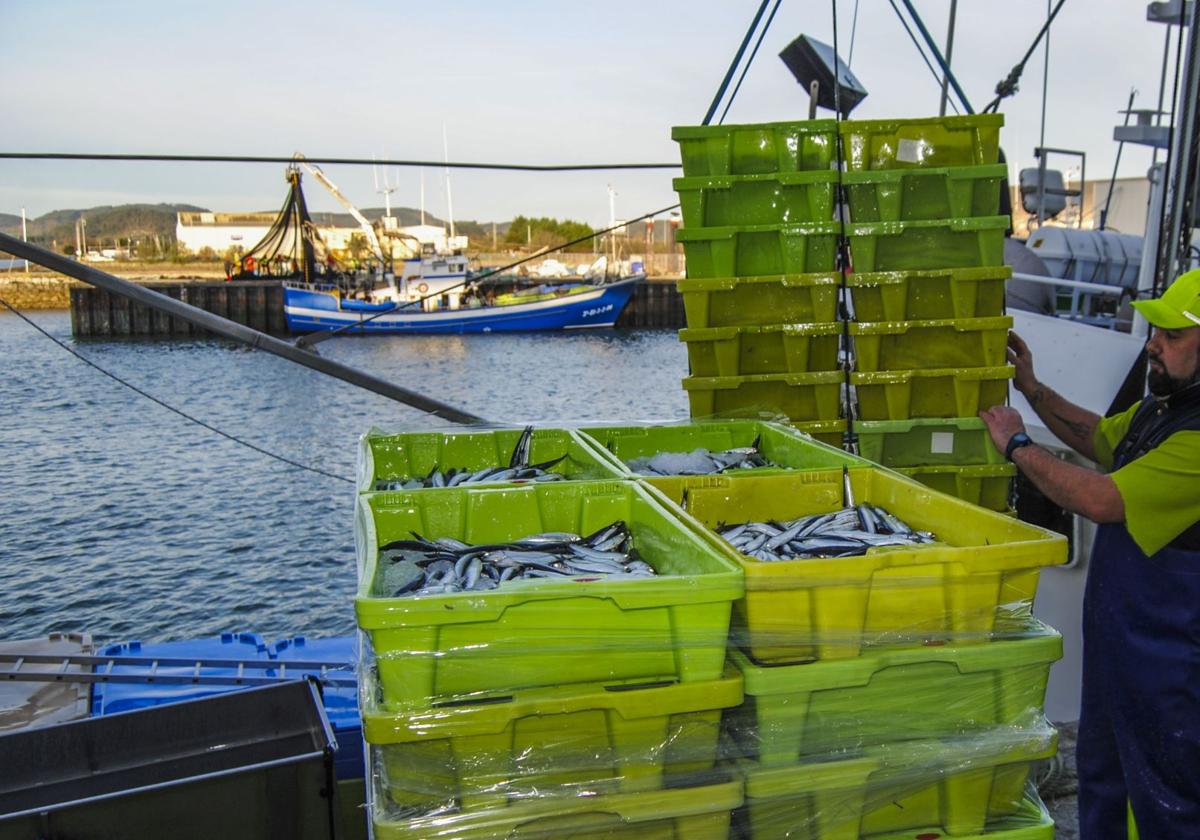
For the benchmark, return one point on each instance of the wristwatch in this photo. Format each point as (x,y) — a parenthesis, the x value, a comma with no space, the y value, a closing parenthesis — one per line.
(1016,442)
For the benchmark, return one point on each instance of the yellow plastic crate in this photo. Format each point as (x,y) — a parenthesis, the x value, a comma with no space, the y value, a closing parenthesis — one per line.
(959,192)
(986,485)
(756,148)
(920,345)
(755,301)
(778,348)
(828,432)
(751,250)
(773,199)
(969,140)
(797,396)
(799,610)
(937,243)
(948,392)
(931,294)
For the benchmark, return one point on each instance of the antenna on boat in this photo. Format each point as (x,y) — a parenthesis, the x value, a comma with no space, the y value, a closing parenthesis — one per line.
(387,190)
(449,200)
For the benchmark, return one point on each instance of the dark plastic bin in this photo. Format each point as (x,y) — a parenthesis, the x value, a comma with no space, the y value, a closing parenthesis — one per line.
(247,764)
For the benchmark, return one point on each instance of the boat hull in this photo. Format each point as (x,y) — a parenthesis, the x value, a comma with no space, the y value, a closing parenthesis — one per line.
(307,310)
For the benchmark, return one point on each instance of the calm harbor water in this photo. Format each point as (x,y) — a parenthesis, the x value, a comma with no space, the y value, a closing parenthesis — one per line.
(122,519)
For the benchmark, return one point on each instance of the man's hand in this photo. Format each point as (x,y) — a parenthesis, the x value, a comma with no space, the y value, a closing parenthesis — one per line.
(1002,423)
(1021,357)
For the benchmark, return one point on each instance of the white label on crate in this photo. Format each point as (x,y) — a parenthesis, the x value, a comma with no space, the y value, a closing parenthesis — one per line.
(941,443)
(910,151)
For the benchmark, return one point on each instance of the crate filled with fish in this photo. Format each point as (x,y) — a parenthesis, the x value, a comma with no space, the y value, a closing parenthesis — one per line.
(714,447)
(417,460)
(935,243)
(748,250)
(920,345)
(936,393)
(811,709)
(796,396)
(775,348)
(554,741)
(471,593)
(838,561)
(757,148)
(769,199)
(699,809)
(928,294)
(764,299)
(921,142)
(958,787)
(906,195)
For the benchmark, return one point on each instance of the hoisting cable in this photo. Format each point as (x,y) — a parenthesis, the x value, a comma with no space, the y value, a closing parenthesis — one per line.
(327,161)
(737,57)
(307,341)
(920,50)
(762,34)
(1008,86)
(169,407)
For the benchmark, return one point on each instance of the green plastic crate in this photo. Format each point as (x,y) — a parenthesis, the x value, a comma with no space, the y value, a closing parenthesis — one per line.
(1031,821)
(777,348)
(829,432)
(914,194)
(920,345)
(414,454)
(952,392)
(444,648)
(757,148)
(754,301)
(555,741)
(928,295)
(958,786)
(779,444)
(971,140)
(753,250)
(797,396)
(776,199)
(799,610)
(687,813)
(893,694)
(988,485)
(938,243)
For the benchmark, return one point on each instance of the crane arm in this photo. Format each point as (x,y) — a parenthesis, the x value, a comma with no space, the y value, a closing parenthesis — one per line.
(369,231)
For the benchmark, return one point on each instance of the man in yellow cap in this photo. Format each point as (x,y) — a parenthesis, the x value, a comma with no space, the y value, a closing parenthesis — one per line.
(1139,725)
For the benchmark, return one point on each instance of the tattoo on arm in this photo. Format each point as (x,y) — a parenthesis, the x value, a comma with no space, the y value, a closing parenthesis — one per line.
(1080,430)
(1037,396)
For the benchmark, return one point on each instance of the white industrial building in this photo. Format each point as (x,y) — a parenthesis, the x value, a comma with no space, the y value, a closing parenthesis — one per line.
(219,231)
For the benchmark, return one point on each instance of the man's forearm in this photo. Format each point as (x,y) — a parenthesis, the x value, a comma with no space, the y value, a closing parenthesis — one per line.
(1073,425)
(1080,490)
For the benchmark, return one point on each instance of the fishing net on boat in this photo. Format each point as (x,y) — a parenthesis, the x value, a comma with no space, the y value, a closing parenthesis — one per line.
(292,246)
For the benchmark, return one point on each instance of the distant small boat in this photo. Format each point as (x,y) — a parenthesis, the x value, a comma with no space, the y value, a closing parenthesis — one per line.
(562,306)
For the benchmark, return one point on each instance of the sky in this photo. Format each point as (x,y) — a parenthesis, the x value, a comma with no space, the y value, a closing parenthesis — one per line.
(522,81)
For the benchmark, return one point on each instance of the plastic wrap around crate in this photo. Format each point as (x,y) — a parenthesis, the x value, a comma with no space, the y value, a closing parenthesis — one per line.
(778,348)
(893,694)
(414,454)
(784,447)
(529,633)
(932,294)
(958,785)
(949,392)
(797,396)
(938,243)
(971,140)
(798,610)
(757,148)
(756,301)
(238,766)
(829,432)
(699,812)
(920,345)
(901,195)
(750,250)
(559,741)
(774,199)
(24,705)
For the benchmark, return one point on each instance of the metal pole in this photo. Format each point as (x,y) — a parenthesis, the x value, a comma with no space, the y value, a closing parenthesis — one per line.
(230,329)
(1146,272)
(24,236)
(1182,161)
(949,58)
(937,54)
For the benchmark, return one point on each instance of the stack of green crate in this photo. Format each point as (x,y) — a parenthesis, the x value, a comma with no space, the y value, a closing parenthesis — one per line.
(761,291)
(579,706)
(929,331)
(893,694)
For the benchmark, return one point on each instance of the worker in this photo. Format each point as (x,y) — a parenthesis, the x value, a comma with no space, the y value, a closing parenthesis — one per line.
(1139,724)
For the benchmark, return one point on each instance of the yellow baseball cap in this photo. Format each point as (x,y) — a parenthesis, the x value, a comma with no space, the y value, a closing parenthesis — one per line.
(1179,306)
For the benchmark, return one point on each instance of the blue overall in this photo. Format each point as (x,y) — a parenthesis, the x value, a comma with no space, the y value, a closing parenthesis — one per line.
(1139,725)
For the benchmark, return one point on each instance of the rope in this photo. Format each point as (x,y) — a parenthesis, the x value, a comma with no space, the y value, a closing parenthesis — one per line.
(171,408)
(518,167)
(737,57)
(1008,86)
(762,34)
(920,50)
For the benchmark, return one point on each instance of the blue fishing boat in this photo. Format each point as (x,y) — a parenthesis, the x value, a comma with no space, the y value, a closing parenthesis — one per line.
(559,306)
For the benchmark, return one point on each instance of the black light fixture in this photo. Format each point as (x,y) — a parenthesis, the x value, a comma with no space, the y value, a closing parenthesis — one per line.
(812,61)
